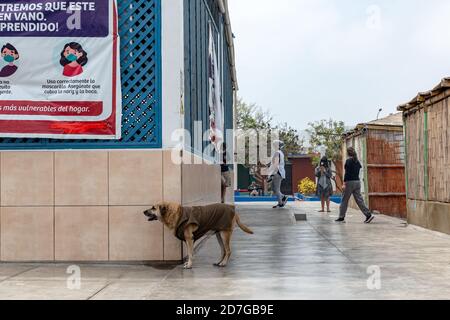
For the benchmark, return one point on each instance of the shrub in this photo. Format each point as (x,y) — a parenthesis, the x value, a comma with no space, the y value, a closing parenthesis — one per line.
(307,186)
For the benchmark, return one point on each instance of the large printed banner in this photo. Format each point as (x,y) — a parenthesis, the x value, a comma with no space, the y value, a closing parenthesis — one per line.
(59,69)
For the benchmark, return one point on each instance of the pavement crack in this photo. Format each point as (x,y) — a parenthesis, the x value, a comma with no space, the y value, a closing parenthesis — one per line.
(331,243)
(17,274)
(99,291)
(109,283)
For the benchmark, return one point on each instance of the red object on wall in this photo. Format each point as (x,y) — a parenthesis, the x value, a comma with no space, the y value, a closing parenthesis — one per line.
(52,108)
(302,167)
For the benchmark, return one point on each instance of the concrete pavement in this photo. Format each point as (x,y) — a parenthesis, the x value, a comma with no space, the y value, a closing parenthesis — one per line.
(316,259)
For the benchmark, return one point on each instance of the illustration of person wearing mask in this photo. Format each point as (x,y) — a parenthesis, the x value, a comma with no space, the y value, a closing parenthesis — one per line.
(73,59)
(10,55)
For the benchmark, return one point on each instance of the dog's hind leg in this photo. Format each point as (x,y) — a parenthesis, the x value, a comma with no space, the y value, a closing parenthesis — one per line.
(226,236)
(222,248)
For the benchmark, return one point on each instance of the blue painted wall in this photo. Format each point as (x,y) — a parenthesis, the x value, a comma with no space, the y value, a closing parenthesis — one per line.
(198,15)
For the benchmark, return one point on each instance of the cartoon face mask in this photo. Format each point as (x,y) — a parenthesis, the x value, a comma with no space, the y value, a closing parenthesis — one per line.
(71,57)
(8,58)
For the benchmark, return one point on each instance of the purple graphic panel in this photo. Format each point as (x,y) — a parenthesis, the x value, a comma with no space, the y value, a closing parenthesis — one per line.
(53,18)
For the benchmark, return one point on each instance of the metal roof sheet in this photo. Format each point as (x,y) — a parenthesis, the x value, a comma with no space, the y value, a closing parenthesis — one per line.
(393,120)
(424,96)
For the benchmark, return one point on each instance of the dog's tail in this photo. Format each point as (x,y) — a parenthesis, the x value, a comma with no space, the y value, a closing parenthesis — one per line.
(243,226)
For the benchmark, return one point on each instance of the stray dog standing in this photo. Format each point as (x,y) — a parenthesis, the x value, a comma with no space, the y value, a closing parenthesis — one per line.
(192,223)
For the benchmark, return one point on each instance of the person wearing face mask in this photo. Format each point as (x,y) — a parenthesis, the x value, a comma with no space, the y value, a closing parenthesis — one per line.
(324,184)
(277,173)
(9,55)
(73,59)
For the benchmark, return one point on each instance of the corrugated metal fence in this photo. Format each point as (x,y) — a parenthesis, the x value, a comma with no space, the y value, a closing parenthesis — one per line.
(140,32)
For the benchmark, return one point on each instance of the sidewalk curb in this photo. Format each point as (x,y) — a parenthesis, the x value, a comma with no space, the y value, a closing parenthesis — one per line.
(430,232)
(414,227)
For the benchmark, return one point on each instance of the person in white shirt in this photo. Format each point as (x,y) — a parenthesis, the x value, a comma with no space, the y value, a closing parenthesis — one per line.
(277,173)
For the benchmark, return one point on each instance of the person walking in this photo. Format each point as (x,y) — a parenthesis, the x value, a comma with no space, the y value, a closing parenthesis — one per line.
(277,173)
(324,185)
(352,186)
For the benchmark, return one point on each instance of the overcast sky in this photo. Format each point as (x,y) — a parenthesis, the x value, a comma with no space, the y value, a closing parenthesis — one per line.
(307,60)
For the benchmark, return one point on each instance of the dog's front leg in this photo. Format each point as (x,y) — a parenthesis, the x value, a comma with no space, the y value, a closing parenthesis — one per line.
(189,238)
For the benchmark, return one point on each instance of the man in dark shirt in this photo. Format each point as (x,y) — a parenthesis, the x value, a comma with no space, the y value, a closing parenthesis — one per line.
(352,186)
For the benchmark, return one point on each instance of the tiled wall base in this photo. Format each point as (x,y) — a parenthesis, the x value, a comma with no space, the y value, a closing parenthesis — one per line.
(88,205)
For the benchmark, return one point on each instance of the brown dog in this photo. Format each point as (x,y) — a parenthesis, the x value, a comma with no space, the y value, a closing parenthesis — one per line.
(192,223)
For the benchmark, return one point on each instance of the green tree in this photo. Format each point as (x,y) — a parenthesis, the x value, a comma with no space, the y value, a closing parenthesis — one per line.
(250,116)
(328,134)
(291,139)
(253,117)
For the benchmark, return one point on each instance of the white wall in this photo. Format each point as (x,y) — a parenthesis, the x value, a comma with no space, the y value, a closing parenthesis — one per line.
(172,69)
